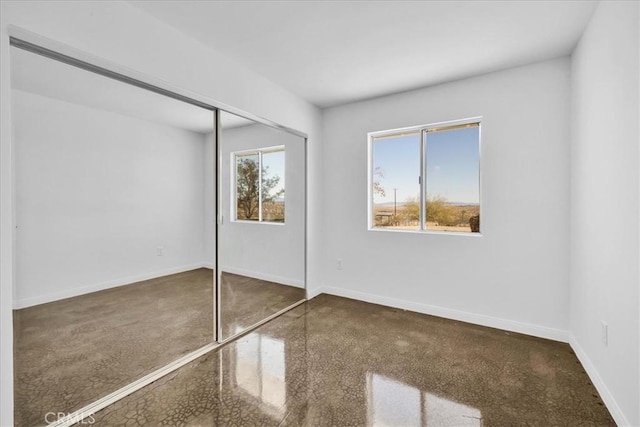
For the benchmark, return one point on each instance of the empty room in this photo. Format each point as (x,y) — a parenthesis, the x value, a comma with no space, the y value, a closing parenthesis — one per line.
(320,213)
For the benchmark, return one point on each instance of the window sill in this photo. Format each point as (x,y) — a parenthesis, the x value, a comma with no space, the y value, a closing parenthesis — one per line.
(436,232)
(240,221)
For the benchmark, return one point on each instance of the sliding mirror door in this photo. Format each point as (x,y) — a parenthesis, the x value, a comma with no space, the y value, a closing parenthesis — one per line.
(261,246)
(114,193)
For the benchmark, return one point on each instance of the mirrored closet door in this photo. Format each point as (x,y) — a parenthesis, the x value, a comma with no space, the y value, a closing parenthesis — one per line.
(262,222)
(150,226)
(114,192)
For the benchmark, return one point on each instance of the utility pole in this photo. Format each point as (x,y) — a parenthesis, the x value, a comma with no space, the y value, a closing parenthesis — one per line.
(395,203)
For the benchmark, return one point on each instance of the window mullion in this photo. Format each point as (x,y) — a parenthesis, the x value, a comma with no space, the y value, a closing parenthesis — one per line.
(259,186)
(423,180)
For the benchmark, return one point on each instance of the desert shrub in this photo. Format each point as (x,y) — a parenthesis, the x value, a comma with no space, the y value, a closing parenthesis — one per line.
(438,210)
(410,213)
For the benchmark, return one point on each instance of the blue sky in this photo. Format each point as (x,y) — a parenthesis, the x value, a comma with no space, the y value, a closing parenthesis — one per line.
(452,160)
(399,161)
(275,163)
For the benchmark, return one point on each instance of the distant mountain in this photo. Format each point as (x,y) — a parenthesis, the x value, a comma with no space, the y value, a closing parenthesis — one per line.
(463,204)
(391,204)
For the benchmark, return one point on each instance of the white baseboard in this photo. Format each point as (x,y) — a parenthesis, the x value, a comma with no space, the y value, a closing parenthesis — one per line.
(74,292)
(312,293)
(598,382)
(264,276)
(494,322)
(448,313)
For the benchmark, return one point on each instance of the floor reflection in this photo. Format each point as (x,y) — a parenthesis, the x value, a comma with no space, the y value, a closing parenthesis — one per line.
(245,301)
(334,361)
(259,370)
(394,403)
(71,352)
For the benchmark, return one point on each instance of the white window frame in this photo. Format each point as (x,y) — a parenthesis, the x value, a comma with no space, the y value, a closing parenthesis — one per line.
(234,193)
(422,130)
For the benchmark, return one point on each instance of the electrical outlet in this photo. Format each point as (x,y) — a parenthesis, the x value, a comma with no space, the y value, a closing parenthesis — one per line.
(159,251)
(604,333)
(339,263)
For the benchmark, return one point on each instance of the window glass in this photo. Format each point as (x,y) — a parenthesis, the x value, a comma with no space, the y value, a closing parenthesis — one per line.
(273,186)
(395,182)
(247,186)
(452,159)
(259,185)
(426,179)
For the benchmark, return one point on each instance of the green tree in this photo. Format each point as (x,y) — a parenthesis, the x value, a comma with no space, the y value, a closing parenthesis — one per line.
(248,188)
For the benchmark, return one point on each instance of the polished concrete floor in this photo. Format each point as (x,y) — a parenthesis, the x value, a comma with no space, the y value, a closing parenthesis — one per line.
(71,352)
(339,362)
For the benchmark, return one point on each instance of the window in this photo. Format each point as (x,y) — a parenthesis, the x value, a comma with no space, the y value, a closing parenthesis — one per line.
(259,185)
(426,178)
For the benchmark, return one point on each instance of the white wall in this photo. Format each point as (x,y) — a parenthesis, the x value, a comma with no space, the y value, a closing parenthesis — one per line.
(152,49)
(96,194)
(275,251)
(515,276)
(604,206)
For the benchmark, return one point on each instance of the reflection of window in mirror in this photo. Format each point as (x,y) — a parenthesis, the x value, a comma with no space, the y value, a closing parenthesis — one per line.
(258,183)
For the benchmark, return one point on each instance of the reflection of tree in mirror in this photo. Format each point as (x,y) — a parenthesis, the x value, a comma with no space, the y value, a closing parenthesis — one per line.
(272,201)
(247,182)
(247,188)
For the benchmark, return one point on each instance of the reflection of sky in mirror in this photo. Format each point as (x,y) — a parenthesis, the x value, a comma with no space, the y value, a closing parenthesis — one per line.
(273,163)
(394,403)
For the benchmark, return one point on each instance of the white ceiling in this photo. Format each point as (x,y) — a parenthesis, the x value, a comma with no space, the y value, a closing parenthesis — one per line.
(333,52)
